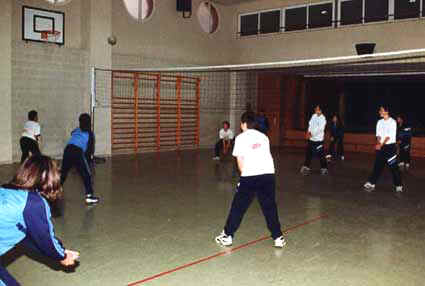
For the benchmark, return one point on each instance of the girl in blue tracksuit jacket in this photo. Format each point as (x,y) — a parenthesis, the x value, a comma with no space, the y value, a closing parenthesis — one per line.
(78,153)
(25,214)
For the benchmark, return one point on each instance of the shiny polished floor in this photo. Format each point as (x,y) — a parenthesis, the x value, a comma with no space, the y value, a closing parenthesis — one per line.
(159,212)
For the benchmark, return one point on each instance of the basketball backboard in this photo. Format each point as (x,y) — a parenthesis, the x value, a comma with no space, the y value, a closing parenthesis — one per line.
(35,22)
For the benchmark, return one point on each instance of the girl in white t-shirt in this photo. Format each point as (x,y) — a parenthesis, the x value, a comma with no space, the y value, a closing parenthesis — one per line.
(252,151)
(30,136)
(225,141)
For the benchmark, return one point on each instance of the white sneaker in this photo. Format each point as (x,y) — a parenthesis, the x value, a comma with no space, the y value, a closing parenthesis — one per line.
(216,158)
(324,171)
(369,187)
(91,200)
(399,189)
(407,166)
(279,242)
(401,164)
(305,170)
(224,239)
(342,158)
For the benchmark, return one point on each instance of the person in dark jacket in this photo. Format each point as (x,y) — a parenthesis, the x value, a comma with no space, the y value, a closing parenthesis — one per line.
(404,141)
(262,123)
(337,138)
(25,213)
(78,153)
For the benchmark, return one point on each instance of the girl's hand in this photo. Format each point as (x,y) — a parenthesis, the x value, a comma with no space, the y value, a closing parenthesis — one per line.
(71,257)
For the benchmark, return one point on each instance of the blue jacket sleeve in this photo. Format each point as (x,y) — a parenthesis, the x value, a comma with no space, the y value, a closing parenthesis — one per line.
(40,230)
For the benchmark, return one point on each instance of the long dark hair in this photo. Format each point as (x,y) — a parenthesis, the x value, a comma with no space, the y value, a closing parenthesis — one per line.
(40,174)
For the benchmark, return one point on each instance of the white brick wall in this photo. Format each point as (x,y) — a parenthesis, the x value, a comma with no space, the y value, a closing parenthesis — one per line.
(54,81)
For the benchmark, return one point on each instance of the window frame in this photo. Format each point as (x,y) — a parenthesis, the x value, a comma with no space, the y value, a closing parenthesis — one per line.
(419,11)
(259,21)
(332,11)
(294,7)
(339,20)
(336,16)
(390,12)
(258,13)
(240,23)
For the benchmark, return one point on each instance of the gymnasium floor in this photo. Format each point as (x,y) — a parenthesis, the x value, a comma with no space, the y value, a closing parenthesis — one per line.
(160,212)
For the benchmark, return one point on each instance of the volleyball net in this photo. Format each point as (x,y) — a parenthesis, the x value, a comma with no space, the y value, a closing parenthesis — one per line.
(155,109)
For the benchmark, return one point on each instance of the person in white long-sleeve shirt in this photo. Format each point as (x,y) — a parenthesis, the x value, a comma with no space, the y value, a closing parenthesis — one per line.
(315,146)
(386,151)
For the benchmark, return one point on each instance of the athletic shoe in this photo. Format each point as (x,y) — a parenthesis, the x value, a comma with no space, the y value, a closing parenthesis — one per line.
(305,170)
(279,242)
(91,200)
(224,239)
(407,166)
(399,189)
(401,164)
(324,171)
(369,187)
(216,158)
(342,158)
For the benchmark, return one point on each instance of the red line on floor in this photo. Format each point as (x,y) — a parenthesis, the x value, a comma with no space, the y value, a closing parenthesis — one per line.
(223,252)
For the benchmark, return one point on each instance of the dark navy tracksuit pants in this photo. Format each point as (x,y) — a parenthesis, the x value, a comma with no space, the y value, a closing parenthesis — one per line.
(318,149)
(405,152)
(386,156)
(74,156)
(262,186)
(28,146)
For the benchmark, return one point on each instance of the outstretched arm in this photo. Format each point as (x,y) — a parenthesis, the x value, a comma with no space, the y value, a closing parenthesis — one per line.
(40,230)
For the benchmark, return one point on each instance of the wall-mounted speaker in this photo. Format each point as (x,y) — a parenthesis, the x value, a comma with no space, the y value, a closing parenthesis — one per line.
(365,48)
(184,5)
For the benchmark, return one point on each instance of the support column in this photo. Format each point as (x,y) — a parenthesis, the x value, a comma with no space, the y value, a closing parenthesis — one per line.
(6,82)
(100,53)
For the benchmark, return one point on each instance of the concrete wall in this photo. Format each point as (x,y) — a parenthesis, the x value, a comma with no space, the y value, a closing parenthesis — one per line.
(53,81)
(327,42)
(6,82)
(167,37)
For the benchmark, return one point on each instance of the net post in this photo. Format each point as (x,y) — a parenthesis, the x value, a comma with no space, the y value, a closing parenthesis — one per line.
(93,95)
(178,93)
(198,97)
(112,109)
(158,112)
(136,111)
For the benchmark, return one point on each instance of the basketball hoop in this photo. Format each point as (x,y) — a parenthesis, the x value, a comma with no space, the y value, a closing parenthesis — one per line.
(50,36)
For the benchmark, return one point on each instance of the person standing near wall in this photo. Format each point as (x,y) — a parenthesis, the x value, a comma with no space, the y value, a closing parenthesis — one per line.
(31,136)
(315,145)
(262,122)
(386,151)
(337,138)
(404,141)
